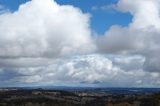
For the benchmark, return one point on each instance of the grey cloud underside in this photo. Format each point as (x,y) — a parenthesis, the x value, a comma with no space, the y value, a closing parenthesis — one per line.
(47,43)
(88,69)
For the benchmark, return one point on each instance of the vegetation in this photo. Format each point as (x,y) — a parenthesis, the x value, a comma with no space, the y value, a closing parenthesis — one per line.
(74,98)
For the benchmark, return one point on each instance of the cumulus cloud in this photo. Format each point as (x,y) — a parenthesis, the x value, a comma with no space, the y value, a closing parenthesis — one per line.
(145,12)
(140,37)
(36,34)
(101,70)
(42,28)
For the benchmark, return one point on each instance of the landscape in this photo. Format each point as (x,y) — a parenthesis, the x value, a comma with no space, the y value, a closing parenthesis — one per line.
(79,52)
(72,96)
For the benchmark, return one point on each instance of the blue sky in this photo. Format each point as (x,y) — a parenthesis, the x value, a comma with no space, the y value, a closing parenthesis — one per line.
(101,19)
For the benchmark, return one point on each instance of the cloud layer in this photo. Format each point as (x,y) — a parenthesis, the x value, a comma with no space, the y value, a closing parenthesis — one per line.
(98,70)
(44,43)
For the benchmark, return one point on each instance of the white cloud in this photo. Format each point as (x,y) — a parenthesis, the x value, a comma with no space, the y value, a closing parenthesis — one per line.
(38,33)
(107,8)
(145,12)
(42,28)
(140,37)
(102,70)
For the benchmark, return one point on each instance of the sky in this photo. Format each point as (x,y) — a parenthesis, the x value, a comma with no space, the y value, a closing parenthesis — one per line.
(102,13)
(99,43)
